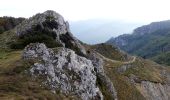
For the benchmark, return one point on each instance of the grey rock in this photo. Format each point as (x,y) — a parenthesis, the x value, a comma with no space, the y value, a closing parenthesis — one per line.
(63,70)
(123,68)
(155,91)
(105,80)
(62,29)
(39,19)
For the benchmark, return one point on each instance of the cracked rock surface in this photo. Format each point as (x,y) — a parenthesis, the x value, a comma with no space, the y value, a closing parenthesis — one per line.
(63,71)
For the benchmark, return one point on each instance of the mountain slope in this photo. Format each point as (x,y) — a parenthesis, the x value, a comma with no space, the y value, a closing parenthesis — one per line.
(149,41)
(48,27)
(73,70)
(131,76)
(62,71)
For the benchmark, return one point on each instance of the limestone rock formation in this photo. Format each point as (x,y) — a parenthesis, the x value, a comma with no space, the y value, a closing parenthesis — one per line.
(154,91)
(53,22)
(62,26)
(63,71)
(98,65)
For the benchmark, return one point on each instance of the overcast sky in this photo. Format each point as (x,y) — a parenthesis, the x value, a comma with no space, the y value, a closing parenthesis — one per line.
(144,11)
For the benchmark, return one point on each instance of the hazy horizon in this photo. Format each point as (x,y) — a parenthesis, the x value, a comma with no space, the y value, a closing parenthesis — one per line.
(139,12)
(94,31)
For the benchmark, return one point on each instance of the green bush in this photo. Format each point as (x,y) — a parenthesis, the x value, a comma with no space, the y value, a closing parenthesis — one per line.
(7,23)
(37,34)
(1,29)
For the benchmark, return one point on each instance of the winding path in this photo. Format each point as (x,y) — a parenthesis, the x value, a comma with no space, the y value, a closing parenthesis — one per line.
(115,61)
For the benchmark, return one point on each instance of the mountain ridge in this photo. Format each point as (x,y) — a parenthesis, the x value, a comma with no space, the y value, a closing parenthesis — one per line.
(72,70)
(149,41)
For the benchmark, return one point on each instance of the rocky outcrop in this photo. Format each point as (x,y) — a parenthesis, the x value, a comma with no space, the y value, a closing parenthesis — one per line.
(62,26)
(63,71)
(104,79)
(53,22)
(154,91)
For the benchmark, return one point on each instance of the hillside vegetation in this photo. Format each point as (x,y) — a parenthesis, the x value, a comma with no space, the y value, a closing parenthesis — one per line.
(7,23)
(110,51)
(41,60)
(127,74)
(17,84)
(154,45)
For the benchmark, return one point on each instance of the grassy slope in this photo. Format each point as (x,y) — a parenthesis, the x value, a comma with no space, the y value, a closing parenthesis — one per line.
(110,52)
(144,70)
(163,58)
(7,38)
(15,84)
(125,90)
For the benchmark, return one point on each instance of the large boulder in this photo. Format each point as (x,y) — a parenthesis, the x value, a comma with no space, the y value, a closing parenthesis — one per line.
(63,71)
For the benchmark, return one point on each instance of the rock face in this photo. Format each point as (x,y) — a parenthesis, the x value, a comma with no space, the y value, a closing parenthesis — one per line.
(154,91)
(62,26)
(52,22)
(123,68)
(98,65)
(63,71)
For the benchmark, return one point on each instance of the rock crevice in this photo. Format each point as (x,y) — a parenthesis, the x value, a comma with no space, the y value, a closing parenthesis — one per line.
(63,71)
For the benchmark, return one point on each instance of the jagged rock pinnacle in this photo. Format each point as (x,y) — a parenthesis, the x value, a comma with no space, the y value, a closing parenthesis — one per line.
(53,22)
(63,26)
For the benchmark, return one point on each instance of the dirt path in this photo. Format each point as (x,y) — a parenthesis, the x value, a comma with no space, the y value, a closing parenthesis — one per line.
(115,61)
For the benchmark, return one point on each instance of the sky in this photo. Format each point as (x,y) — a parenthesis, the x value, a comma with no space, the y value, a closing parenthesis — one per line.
(127,11)
(144,11)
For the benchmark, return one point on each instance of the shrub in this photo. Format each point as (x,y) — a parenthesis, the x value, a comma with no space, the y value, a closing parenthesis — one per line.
(1,29)
(36,34)
(7,23)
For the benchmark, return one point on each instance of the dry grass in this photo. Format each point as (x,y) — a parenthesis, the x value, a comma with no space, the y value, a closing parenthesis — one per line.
(7,38)
(16,84)
(125,90)
(143,69)
(108,51)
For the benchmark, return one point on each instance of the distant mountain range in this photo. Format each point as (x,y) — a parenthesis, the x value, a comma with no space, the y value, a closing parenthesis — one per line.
(148,41)
(100,30)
